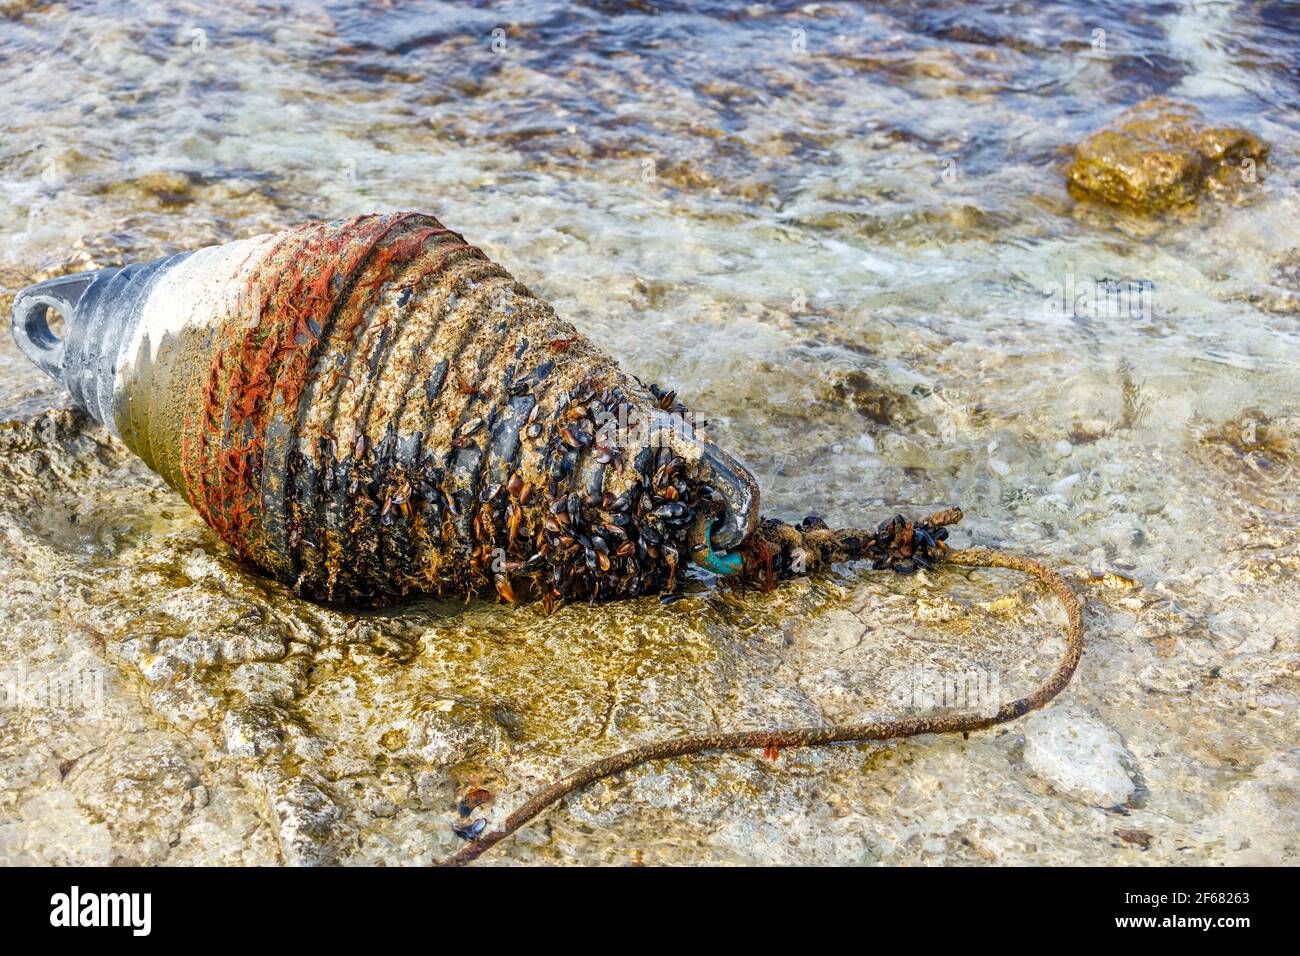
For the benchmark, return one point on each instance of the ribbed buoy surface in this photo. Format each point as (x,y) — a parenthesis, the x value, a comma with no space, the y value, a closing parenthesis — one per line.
(371,407)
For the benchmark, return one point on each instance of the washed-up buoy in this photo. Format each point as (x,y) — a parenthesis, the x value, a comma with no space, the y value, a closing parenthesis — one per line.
(371,407)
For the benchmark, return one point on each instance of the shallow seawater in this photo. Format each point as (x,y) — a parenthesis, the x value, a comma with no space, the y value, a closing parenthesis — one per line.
(833,230)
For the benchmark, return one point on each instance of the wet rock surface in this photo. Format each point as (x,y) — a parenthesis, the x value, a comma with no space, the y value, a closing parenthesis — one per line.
(804,220)
(857,390)
(1162,154)
(274,730)
(1077,753)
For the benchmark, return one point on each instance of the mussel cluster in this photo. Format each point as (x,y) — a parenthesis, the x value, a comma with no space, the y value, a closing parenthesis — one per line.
(627,544)
(561,544)
(903,545)
(607,544)
(779,551)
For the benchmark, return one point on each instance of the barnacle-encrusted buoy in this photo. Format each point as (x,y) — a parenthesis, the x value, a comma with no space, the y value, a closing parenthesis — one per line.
(371,407)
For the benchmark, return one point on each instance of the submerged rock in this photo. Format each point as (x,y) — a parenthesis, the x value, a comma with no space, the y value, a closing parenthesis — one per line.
(1076,753)
(869,398)
(1161,154)
(144,787)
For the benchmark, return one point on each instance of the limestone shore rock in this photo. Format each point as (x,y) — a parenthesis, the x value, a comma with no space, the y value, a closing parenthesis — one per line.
(1161,154)
(1076,753)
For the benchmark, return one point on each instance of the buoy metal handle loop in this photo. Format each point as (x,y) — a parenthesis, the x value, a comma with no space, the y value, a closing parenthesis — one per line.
(30,321)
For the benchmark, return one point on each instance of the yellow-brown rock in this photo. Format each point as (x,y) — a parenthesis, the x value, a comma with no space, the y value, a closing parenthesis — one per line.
(1161,154)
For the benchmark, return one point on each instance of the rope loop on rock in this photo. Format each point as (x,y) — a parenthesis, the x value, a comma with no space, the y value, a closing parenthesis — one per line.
(780,551)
